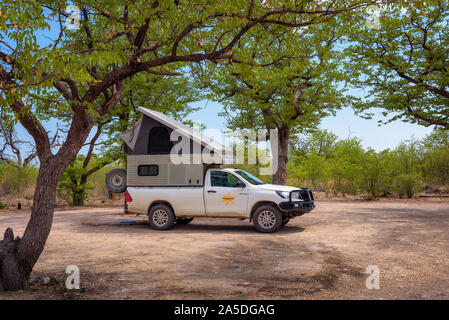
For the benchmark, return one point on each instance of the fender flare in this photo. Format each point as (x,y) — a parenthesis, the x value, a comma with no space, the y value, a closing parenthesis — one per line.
(260,203)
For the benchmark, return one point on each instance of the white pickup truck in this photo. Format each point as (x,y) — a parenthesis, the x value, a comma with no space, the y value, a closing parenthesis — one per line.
(226,193)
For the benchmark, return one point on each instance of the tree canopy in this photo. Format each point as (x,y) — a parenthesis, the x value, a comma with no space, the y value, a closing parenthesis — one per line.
(403,65)
(287,81)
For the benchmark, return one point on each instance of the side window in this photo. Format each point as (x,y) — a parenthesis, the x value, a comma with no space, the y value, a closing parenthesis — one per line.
(148,170)
(223,179)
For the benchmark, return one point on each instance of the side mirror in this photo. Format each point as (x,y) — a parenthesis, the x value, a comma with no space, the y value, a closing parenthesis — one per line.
(240,185)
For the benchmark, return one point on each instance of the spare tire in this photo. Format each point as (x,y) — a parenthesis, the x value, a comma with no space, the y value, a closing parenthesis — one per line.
(116,180)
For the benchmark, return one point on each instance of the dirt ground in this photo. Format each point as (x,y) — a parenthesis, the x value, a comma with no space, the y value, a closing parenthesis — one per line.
(321,255)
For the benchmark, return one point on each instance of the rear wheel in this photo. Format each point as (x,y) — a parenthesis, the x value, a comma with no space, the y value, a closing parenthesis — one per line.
(183,220)
(267,219)
(161,217)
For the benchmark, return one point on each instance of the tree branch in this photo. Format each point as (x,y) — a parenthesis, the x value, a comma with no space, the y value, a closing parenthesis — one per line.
(34,128)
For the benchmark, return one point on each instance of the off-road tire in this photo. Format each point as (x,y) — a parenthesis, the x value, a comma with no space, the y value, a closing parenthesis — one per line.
(267,219)
(161,217)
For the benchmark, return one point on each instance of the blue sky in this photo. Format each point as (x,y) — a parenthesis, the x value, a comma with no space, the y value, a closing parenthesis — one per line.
(344,123)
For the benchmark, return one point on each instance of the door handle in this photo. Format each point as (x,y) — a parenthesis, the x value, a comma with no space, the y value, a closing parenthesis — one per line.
(212,191)
(243,193)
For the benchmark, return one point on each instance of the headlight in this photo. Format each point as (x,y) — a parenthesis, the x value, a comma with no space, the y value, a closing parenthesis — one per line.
(283,194)
(296,196)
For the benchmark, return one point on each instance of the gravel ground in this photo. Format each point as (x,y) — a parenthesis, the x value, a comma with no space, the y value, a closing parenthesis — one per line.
(321,255)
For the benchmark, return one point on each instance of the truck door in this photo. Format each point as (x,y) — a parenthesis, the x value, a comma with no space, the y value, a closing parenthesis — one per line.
(225,195)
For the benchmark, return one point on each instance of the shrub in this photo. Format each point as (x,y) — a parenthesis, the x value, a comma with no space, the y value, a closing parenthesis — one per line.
(312,168)
(19,182)
(408,185)
(2,205)
(345,166)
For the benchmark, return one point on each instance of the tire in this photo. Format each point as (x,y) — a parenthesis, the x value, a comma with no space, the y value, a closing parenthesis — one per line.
(267,219)
(183,220)
(116,180)
(285,220)
(161,217)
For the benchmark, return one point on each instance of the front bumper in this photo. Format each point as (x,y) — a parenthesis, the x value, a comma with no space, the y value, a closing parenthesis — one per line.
(300,202)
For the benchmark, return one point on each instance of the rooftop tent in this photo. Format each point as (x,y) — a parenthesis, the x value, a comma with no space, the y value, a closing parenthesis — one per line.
(151,135)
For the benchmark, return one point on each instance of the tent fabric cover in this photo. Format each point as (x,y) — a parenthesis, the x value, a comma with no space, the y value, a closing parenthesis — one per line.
(146,136)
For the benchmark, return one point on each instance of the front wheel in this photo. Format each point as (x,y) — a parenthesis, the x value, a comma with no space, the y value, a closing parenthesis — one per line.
(161,217)
(267,219)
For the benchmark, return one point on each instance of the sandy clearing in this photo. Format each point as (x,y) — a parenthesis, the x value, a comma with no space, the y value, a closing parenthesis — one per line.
(321,255)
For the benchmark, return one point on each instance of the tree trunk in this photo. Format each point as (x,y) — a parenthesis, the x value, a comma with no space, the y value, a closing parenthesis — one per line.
(10,275)
(79,192)
(280,176)
(79,188)
(78,198)
(18,256)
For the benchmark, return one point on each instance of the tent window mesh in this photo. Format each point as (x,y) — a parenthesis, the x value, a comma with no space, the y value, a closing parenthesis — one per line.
(159,141)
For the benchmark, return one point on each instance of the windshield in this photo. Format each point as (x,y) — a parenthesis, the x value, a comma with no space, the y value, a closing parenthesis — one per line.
(249,177)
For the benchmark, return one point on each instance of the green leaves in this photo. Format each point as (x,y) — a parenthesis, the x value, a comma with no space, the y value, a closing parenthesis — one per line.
(117,40)
(73,185)
(274,80)
(403,66)
(344,167)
